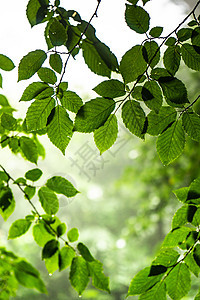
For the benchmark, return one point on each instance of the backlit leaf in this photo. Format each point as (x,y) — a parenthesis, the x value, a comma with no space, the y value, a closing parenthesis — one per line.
(172,59)
(55,62)
(47,75)
(57,33)
(157,292)
(191,56)
(33,90)
(106,135)
(71,101)
(7,202)
(151,53)
(33,174)
(156,31)
(66,255)
(110,88)
(137,18)
(79,276)
(99,280)
(30,64)
(50,248)
(60,185)
(29,149)
(18,228)
(41,235)
(170,143)
(73,235)
(8,122)
(36,11)
(6,63)
(48,200)
(191,125)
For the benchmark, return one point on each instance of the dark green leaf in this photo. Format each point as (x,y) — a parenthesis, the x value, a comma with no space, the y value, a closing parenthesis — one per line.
(33,90)
(36,11)
(142,282)
(55,62)
(93,114)
(174,90)
(196,254)
(183,215)
(170,41)
(18,228)
(33,174)
(50,248)
(66,255)
(29,149)
(170,143)
(7,202)
(158,122)
(151,53)
(157,269)
(191,125)
(132,64)
(99,280)
(85,253)
(156,31)
(57,33)
(178,281)
(60,128)
(30,64)
(60,185)
(137,18)
(79,276)
(61,229)
(192,265)
(106,135)
(4,100)
(8,122)
(195,36)
(133,117)
(71,101)
(110,89)
(47,75)
(73,235)
(38,112)
(172,59)
(184,34)
(191,56)
(28,276)
(152,95)
(193,195)
(48,200)
(159,73)
(6,63)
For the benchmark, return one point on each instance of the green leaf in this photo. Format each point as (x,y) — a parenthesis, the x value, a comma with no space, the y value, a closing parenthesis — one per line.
(66,255)
(137,18)
(151,53)
(182,194)
(47,75)
(184,34)
(193,195)
(192,265)
(33,174)
(178,281)
(60,185)
(30,64)
(110,89)
(106,135)
(191,56)
(55,62)
(51,263)
(8,122)
(156,31)
(7,202)
(172,59)
(29,191)
(93,114)
(6,63)
(166,257)
(41,235)
(99,280)
(28,276)
(79,276)
(174,91)
(133,117)
(183,215)
(60,128)
(50,248)
(29,149)
(170,143)
(48,200)
(176,237)
(132,64)
(142,282)
(152,95)
(71,101)
(157,292)
(196,254)
(195,36)
(36,11)
(18,228)
(94,60)
(61,229)
(159,73)
(57,33)
(73,235)
(38,112)
(85,253)
(170,41)
(191,125)
(33,90)
(158,122)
